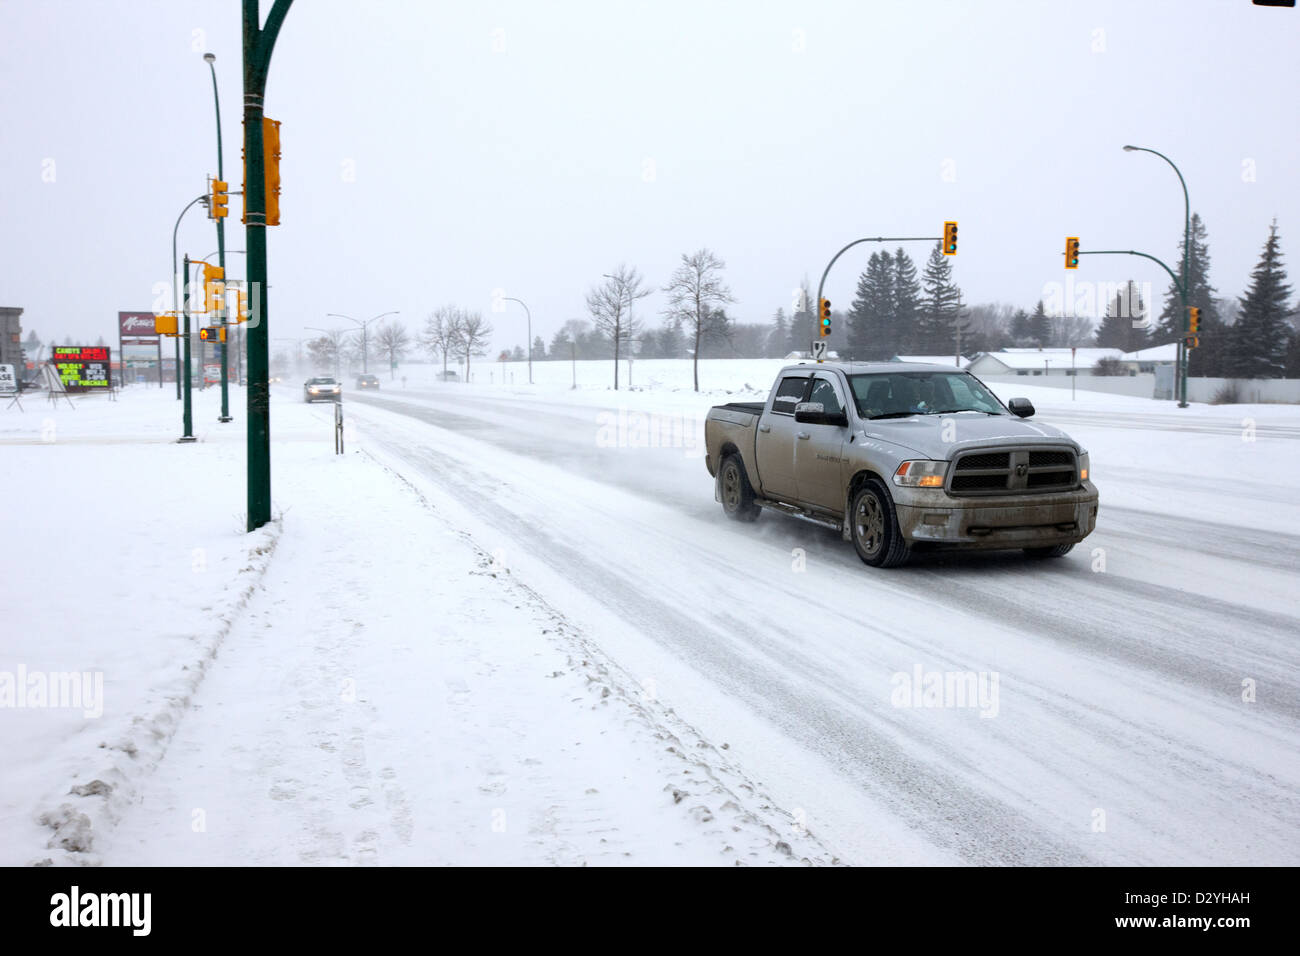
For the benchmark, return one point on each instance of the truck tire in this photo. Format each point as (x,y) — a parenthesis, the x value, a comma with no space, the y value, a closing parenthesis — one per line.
(736,491)
(1055,551)
(873,526)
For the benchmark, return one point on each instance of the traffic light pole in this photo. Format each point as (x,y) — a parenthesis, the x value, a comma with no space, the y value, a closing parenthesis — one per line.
(259,43)
(176,286)
(821,286)
(221,254)
(187,414)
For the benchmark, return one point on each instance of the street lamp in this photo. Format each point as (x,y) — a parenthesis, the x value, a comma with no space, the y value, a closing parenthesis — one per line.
(1187,267)
(365,350)
(510,298)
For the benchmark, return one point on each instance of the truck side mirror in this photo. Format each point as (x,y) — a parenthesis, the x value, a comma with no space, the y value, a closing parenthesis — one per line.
(814,413)
(1022,407)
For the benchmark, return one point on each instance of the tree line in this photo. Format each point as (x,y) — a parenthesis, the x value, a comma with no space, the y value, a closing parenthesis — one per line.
(896,310)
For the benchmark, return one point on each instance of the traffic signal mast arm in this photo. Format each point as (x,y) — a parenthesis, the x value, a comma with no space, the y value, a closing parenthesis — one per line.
(1133,252)
(821,285)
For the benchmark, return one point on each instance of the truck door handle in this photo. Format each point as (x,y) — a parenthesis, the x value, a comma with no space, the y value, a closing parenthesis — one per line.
(802,435)
(765,428)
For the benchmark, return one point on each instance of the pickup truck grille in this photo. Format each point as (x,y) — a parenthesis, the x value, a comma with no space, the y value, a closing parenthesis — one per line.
(1014,471)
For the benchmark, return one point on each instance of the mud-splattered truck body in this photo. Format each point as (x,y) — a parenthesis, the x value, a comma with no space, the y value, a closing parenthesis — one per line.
(900,456)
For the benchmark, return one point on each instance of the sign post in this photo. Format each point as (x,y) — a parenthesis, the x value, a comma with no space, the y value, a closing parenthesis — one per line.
(9,386)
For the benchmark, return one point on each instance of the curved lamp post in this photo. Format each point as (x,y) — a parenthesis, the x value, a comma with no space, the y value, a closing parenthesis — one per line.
(510,298)
(1187,266)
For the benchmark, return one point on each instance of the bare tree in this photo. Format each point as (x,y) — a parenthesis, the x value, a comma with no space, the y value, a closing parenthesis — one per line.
(610,305)
(1070,330)
(441,333)
(325,351)
(473,339)
(394,342)
(696,293)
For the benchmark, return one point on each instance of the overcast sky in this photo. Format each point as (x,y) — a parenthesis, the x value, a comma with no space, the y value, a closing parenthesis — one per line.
(434,152)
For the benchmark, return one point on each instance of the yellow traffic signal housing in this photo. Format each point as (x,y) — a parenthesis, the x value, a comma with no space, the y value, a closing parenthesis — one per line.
(241,306)
(214,334)
(164,323)
(824,311)
(218,200)
(270,172)
(1072,252)
(271,150)
(1193,321)
(1193,342)
(214,288)
(950,238)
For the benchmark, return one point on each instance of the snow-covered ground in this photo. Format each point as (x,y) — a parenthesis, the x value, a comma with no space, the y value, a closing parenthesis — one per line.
(512,625)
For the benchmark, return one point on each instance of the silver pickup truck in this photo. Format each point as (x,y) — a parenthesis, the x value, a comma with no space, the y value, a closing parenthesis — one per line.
(899,456)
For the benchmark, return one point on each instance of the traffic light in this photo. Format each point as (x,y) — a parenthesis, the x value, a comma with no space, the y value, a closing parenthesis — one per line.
(270,172)
(164,323)
(1072,252)
(1193,342)
(950,238)
(215,334)
(218,200)
(1193,320)
(214,288)
(824,310)
(241,305)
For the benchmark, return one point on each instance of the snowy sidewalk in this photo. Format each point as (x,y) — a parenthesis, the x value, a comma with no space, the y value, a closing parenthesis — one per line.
(387,694)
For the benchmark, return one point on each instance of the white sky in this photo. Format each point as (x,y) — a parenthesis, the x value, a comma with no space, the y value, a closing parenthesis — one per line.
(777,133)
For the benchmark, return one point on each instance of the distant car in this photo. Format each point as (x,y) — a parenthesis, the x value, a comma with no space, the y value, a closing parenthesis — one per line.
(322,390)
(449,376)
(367,381)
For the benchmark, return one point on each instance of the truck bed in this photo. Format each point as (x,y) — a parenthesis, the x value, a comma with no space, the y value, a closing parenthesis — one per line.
(753,408)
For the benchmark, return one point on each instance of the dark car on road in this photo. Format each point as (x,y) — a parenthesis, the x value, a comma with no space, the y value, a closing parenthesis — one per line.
(367,381)
(322,390)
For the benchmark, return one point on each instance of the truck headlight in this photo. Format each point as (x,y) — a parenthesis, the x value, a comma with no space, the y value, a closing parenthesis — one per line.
(921,474)
(1085,466)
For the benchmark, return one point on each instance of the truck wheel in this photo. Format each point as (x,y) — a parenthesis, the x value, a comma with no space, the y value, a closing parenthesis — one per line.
(1055,551)
(737,493)
(874,527)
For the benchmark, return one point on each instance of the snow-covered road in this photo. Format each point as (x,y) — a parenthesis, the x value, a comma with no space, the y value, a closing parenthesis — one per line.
(1118,731)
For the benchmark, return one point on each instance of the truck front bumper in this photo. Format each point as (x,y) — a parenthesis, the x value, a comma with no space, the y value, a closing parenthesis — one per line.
(928,516)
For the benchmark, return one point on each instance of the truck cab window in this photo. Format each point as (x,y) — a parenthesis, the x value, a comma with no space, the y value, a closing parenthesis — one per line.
(789,395)
(824,391)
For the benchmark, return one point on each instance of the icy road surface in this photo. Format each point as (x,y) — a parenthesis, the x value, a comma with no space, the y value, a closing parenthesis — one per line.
(1146,708)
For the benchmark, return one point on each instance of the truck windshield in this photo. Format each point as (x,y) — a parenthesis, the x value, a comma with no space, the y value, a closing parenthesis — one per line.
(901,394)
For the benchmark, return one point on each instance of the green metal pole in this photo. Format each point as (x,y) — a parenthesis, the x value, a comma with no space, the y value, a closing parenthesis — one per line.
(187,415)
(1187,266)
(259,42)
(221,245)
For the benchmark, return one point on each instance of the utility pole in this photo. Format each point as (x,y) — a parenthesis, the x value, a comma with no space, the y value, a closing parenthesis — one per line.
(187,415)
(259,43)
(210,59)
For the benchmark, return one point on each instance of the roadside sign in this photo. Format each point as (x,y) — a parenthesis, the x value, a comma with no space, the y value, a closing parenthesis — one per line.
(819,351)
(211,374)
(8,381)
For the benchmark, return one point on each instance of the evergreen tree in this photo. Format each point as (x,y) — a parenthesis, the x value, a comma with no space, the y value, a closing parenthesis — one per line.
(1040,326)
(672,341)
(907,304)
(941,307)
(1209,358)
(1021,328)
(779,338)
(1258,343)
(1121,328)
(539,349)
(870,318)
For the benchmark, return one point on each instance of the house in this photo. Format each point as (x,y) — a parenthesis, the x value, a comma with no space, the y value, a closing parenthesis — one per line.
(1056,361)
(1146,360)
(797,356)
(931,359)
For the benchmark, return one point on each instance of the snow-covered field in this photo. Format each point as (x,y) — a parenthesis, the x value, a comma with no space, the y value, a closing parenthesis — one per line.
(511,625)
